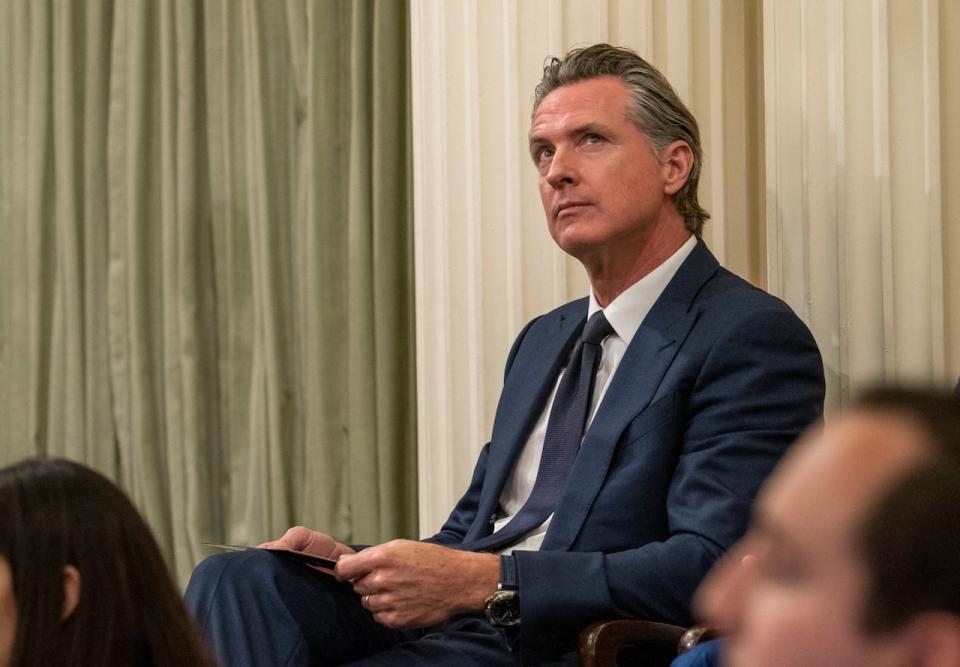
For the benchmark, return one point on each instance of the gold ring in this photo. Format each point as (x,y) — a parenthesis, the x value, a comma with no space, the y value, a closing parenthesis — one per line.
(364,602)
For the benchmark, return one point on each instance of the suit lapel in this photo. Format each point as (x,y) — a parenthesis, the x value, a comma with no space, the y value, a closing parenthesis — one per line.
(526,389)
(631,390)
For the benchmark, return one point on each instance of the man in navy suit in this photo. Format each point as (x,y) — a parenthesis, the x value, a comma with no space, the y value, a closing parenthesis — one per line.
(687,386)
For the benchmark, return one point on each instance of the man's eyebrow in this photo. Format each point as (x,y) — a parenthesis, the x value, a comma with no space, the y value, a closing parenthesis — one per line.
(591,128)
(537,140)
(762,525)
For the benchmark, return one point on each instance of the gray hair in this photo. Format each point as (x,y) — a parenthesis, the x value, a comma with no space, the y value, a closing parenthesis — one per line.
(656,109)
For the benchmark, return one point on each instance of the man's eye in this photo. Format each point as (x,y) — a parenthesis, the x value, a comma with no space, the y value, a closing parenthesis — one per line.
(780,568)
(593,139)
(544,154)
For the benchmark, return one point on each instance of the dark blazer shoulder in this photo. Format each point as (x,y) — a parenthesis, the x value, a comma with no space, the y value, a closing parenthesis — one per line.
(729,304)
(725,301)
(576,309)
(543,326)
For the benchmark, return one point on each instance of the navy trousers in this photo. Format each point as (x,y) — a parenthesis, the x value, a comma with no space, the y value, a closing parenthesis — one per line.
(260,608)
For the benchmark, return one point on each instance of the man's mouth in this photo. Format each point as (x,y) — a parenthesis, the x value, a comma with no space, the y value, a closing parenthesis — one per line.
(571,206)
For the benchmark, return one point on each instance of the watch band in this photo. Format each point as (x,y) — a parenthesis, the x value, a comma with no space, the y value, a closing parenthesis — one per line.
(509,579)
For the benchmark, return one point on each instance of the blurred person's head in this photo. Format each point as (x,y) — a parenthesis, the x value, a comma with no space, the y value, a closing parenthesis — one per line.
(853,557)
(82,581)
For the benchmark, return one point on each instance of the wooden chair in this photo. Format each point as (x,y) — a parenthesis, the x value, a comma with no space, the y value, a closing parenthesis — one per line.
(646,643)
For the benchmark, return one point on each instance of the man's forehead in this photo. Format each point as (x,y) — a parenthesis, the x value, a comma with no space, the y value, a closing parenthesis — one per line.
(844,467)
(583,102)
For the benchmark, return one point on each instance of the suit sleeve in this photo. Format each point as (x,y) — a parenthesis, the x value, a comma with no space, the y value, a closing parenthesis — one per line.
(760,384)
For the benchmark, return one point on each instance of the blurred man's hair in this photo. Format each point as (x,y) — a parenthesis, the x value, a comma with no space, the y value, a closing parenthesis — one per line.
(655,109)
(911,537)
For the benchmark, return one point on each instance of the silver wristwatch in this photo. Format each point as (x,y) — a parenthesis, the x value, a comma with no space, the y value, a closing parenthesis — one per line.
(503,608)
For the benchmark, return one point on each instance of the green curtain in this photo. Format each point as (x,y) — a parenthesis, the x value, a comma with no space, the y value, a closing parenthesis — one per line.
(206,260)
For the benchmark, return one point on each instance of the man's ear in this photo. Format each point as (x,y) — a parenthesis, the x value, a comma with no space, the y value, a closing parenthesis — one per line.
(676,161)
(71,591)
(934,639)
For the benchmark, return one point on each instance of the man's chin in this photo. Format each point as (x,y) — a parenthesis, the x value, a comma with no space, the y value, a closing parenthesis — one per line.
(576,240)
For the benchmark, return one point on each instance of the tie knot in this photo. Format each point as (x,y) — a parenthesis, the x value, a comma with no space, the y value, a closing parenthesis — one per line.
(597,329)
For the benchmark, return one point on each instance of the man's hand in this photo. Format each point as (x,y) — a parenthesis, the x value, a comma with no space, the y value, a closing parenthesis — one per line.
(408,584)
(299,538)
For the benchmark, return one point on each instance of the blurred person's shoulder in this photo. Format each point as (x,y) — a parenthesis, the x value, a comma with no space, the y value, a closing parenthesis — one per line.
(704,655)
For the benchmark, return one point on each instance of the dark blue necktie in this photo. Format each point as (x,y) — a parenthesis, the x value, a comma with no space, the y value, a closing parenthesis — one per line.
(568,416)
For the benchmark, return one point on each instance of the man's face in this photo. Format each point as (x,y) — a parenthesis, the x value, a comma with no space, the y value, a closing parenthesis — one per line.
(601,184)
(792,591)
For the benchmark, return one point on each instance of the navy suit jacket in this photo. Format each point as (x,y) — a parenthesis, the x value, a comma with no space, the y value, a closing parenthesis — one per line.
(717,382)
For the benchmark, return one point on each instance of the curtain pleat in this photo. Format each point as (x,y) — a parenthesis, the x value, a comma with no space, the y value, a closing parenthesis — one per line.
(392,264)
(206,288)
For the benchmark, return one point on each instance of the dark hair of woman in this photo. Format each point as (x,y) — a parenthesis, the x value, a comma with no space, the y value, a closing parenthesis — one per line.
(57,517)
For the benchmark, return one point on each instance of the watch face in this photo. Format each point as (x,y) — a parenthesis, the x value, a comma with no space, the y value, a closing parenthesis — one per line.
(503,608)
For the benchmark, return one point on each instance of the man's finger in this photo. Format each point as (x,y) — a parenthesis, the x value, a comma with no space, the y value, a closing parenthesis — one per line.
(352,566)
(294,538)
(361,585)
(297,538)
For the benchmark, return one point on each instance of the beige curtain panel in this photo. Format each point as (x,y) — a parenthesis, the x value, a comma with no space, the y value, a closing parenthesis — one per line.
(205,260)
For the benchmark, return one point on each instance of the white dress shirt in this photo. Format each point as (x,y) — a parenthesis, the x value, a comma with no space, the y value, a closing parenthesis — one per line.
(625,314)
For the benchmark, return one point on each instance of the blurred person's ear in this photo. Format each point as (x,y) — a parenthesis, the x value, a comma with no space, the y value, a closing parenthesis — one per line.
(71,591)
(934,639)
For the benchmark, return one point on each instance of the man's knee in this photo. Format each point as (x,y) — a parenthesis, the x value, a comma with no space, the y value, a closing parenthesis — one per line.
(209,570)
(260,607)
(232,575)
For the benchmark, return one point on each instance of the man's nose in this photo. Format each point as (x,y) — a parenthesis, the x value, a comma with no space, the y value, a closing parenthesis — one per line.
(720,600)
(563,169)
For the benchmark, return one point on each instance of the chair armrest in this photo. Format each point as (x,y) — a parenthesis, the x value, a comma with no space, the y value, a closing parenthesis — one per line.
(695,636)
(600,641)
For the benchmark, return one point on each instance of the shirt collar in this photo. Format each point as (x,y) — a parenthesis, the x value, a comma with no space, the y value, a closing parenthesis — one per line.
(627,312)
